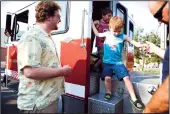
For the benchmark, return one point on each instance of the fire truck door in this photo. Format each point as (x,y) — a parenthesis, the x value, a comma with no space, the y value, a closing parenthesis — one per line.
(76,53)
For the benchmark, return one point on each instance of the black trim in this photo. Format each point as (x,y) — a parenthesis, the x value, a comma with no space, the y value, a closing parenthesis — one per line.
(131,27)
(13,35)
(8,22)
(122,8)
(167,36)
(21,17)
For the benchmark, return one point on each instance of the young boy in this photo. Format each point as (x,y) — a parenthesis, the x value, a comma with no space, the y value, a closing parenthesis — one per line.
(112,58)
(102,25)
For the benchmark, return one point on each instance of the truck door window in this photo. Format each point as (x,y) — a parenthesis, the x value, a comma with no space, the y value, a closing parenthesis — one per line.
(64,24)
(20,24)
(22,29)
(131,31)
(121,12)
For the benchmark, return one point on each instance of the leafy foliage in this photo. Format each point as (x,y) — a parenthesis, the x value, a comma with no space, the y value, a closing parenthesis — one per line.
(140,54)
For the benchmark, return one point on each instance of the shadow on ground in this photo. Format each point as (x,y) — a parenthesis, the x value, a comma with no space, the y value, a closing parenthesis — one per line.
(8,101)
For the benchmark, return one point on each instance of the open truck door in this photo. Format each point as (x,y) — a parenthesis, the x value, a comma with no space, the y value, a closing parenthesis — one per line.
(19,19)
(16,25)
(75,51)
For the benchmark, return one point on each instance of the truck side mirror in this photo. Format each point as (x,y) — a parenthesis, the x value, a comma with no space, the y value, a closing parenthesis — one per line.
(8,25)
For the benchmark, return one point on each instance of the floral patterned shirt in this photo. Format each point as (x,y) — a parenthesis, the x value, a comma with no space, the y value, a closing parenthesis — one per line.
(37,49)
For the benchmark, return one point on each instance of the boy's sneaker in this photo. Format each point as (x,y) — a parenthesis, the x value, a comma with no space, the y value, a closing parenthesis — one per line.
(138,104)
(107,96)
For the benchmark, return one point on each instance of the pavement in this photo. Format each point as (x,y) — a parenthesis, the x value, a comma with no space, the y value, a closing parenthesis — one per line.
(9,96)
(8,101)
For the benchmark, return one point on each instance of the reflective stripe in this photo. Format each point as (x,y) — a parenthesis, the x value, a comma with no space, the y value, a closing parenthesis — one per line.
(75,89)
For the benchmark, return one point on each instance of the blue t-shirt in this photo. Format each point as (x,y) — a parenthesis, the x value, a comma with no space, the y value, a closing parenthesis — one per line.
(165,69)
(113,46)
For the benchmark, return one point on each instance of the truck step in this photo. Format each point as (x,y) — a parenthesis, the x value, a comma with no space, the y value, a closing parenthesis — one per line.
(144,86)
(97,104)
(116,86)
(94,83)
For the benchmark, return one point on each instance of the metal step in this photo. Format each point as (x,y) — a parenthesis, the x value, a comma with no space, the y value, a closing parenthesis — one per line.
(94,83)
(97,104)
(72,105)
(142,86)
(116,86)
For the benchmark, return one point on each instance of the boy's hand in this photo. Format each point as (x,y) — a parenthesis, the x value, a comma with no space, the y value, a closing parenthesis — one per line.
(96,22)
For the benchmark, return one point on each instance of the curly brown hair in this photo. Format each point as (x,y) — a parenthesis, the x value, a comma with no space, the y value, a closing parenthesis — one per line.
(46,9)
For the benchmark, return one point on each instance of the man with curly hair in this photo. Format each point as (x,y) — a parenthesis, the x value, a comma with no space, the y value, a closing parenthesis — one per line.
(41,76)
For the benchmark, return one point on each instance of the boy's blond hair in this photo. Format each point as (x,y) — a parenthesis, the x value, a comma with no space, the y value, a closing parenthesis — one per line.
(116,23)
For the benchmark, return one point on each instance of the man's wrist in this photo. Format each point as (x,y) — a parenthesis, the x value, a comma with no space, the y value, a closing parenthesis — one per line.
(155,50)
(60,71)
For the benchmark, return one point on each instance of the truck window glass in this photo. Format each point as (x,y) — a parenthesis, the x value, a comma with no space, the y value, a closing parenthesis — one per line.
(121,14)
(63,25)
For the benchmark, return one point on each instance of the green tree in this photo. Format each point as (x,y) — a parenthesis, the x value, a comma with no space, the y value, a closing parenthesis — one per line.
(155,39)
(137,37)
(140,54)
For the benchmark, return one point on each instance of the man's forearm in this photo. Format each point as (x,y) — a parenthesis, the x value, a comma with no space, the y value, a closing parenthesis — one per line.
(42,73)
(159,52)
(159,102)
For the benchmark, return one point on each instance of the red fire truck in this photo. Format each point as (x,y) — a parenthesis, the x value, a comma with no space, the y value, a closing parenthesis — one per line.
(84,89)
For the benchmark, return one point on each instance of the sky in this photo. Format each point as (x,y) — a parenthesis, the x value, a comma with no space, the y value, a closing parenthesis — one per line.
(141,15)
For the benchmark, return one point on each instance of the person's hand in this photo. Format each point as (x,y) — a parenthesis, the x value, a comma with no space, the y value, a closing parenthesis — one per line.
(143,46)
(66,69)
(96,22)
(150,47)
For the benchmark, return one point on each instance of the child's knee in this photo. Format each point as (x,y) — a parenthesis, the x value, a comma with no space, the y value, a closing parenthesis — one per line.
(127,78)
(108,78)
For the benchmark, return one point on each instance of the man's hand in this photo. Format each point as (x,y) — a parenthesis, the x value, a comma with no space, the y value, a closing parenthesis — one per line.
(66,69)
(143,46)
(150,47)
(153,49)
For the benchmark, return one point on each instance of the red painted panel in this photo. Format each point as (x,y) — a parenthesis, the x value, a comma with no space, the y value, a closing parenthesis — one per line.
(130,60)
(77,57)
(12,58)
